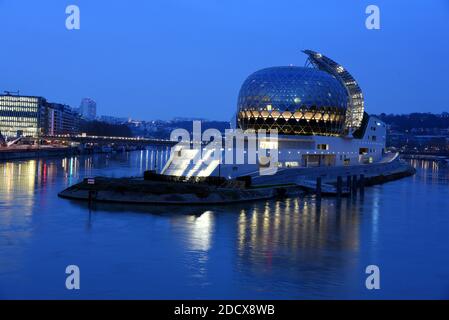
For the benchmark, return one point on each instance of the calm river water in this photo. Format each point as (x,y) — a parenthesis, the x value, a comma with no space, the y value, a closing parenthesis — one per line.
(298,248)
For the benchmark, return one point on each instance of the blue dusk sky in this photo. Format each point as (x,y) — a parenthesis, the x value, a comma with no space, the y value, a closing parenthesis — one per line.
(161,59)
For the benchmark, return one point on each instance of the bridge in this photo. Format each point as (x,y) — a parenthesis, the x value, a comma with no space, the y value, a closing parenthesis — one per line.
(102,140)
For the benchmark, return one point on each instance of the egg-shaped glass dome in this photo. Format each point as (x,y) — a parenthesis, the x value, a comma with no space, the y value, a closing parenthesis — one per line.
(293,100)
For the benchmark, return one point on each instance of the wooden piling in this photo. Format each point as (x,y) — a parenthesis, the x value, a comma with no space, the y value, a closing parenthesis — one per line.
(362,183)
(318,186)
(339,186)
(354,184)
(90,198)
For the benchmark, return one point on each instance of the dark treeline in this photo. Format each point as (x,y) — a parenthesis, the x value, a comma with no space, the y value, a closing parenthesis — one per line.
(416,121)
(219,125)
(163,132)
(98,128)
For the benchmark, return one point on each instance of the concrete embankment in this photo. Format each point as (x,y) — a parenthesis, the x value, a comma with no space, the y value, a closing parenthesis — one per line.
(339,181)
(389,176)
(16,154)
(426,157)
(160,189)
(372,173)
(128,190)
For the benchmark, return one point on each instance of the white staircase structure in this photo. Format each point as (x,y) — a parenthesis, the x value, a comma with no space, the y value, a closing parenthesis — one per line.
(188,163)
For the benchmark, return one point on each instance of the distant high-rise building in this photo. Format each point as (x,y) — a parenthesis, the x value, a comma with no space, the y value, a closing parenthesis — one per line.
(88,109)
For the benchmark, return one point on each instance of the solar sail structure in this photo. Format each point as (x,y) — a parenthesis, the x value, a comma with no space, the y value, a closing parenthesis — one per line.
(356,105)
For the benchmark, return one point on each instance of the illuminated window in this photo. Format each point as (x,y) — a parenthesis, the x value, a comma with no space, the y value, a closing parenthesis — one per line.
(322,146)
(291,164)
(363,151)
(268,144)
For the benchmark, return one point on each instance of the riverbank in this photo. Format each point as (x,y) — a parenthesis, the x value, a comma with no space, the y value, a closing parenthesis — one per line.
(31,152)
(140,191)
(390,167)
(427,157)
(168,190)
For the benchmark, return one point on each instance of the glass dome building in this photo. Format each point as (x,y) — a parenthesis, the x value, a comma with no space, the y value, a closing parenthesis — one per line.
(319,113)
(293,100)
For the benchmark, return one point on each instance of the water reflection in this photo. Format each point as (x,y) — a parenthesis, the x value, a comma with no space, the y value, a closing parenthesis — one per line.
(302,239)
(200,231)
(431,171)
(24,174)
(292,228)
(22,181)
(17,185)
(17,177)
(267,249)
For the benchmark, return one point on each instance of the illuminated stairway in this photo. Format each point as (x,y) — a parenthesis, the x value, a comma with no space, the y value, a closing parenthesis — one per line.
(187,167)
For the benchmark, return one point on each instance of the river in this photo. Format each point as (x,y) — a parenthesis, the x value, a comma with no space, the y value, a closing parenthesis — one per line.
(297,248)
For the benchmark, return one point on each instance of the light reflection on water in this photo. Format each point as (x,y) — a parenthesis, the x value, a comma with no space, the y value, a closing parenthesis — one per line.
(293,248)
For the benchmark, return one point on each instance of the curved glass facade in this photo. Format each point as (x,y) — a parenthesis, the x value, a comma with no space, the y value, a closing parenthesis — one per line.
(294,100)
(356,107)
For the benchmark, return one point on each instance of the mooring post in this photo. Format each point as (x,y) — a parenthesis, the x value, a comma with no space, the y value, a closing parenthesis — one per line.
(90,198)
(318,186)
(362,183)
(354,184)
(339,186)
